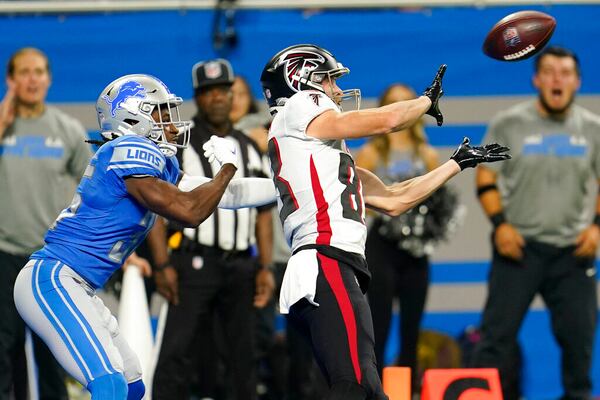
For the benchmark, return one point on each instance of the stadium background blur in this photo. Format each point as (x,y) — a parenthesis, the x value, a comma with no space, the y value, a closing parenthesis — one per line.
(91,43)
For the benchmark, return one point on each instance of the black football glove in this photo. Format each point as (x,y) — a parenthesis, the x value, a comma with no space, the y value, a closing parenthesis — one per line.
(469,156)
(434,92)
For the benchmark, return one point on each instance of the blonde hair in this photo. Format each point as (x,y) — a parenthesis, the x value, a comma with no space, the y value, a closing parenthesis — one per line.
(10,67)
(416,132)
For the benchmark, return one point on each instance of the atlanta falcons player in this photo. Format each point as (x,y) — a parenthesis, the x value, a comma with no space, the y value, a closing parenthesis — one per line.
(321,199)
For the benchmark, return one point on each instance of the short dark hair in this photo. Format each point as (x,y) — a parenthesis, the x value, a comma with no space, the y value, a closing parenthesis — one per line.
(557,51)
(10,68)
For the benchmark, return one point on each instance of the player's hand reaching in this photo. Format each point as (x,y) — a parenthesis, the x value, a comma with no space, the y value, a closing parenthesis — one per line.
(220,150)
(469,156)
(434,92)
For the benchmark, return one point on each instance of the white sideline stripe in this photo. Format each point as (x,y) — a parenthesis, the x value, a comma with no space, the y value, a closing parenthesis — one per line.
(37,287)
(32,371)
(83,327)
(160,330)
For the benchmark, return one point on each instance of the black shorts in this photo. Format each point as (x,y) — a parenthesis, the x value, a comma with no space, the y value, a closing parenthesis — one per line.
(340,330)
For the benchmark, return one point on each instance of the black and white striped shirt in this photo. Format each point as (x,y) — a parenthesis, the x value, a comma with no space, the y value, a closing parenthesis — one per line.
(224,229)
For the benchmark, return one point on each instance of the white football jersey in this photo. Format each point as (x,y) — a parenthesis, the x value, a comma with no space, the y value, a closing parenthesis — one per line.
(319,194)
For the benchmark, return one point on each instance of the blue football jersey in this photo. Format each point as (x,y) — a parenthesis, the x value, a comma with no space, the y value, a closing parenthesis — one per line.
(104,224)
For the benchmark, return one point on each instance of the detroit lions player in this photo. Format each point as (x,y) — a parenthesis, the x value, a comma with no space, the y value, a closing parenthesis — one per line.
(130,179)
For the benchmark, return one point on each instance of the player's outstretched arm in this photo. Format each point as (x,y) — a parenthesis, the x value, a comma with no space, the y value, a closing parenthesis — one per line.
(374,121)
(402,196)
(240,193)
(188,208)
(332,125)
(467,156)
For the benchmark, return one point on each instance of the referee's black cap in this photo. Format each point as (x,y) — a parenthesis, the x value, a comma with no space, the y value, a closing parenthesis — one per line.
(212,73)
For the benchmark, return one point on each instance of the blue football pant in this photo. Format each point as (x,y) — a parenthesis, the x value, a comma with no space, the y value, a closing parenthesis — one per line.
(65,312)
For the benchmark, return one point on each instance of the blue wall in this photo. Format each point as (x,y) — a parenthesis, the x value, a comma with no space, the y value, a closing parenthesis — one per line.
(89,50)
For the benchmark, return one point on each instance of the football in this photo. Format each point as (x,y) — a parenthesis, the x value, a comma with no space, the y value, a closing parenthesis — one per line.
(519,36)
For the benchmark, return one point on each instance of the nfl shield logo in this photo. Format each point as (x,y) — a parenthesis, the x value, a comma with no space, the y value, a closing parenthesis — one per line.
(212,70)
(511,37)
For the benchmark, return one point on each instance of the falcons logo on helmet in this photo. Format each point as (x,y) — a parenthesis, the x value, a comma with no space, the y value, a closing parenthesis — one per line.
(295,62)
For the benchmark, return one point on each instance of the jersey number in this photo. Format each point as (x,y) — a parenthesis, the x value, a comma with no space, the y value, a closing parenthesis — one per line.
(123,248)
(288,199)
(69,211)
(351,201)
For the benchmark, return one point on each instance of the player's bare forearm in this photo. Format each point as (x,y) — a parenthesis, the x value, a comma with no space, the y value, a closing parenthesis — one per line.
(406,113)
(490,201)
(188,208)
(369,122)
(400,197)
(201,202)
(240,192)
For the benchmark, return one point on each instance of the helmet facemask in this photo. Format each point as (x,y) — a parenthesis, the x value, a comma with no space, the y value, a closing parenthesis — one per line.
(157,132)
(352,96)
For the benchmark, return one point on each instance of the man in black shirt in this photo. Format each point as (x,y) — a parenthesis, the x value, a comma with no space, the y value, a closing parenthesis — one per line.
(212,270)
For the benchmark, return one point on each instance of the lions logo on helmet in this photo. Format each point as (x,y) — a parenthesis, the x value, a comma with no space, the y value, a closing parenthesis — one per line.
(125,91)
(126,107)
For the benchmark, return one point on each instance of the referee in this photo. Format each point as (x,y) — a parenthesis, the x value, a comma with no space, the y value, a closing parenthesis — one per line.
(212,271)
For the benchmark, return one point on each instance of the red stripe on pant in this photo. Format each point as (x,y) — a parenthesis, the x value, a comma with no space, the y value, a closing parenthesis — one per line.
(323,223)
(333,275)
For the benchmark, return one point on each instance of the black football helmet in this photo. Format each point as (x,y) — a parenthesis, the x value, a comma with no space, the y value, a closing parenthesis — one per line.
(302,67)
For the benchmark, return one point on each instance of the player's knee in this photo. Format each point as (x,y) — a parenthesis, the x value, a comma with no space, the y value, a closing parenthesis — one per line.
(108,387)
(136,390)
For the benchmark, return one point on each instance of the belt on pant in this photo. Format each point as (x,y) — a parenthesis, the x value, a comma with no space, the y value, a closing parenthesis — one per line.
(189,246)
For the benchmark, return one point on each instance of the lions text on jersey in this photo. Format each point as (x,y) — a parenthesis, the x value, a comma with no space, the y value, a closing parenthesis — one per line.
(320,195)
(104,224)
